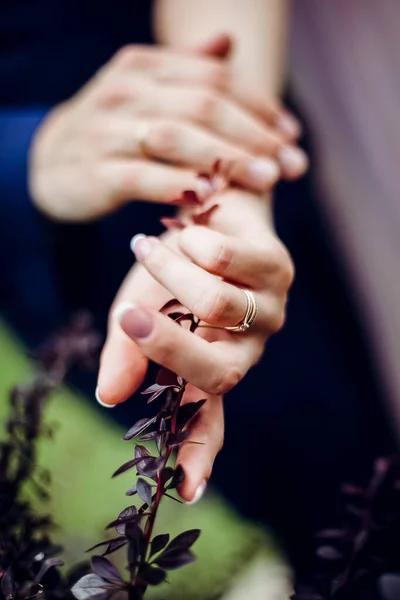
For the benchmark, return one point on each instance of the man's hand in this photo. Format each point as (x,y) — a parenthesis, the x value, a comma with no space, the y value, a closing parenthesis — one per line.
(204,268)
(146,123)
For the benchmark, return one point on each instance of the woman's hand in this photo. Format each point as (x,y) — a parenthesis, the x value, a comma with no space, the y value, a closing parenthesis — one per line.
(146,123)
(204,268)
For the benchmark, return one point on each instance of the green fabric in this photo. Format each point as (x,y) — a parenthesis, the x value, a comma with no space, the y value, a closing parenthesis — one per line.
(86,449)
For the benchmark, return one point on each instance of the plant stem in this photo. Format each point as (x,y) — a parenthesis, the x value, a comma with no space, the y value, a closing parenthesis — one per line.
(148,530)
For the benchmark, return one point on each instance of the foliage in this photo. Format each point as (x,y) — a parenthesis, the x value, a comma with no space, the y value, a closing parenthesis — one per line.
(27,555)
(149,558)
(361,560)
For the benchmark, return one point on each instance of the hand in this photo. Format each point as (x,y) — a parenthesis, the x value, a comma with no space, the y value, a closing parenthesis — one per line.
(195,265)
(142,128)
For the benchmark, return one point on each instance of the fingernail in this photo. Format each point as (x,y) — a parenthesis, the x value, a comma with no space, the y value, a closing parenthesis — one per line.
(288,125)
(135,321)
(294,161)
(199,493)
(96,393)
(204,188)
(140,246)
(263,171)
(121,309)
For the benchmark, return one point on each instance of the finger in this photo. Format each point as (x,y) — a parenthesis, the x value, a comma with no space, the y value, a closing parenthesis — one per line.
(211,299)
(214,367)
(128,180)
(167,65)
(122,365)
(248,264)
(188,145)
(197,455)
(208,108)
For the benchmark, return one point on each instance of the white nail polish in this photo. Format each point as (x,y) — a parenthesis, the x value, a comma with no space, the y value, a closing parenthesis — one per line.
(96,393)
(199,493)
(264,171)
(121,309)
(293,160)
(135,238)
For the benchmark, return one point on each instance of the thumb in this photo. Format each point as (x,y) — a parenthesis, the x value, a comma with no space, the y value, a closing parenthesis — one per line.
(219,46)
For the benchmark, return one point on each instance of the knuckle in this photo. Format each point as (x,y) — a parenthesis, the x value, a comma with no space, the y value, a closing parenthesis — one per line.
(219,260)
(213,308)
(226,380)
(218,76)
(280,266)
(206,107)
(162,139)
(136,56)
(128,181)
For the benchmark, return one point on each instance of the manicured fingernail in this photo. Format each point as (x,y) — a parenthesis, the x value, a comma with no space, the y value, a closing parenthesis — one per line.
(96,393)
(199,493)
(140,246)
(121,309)
(136,322)
(294,161)
(288,125)
(263,171)
(204,188)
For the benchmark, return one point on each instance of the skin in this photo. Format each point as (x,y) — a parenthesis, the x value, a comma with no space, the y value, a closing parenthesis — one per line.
(184,265)
(116,141)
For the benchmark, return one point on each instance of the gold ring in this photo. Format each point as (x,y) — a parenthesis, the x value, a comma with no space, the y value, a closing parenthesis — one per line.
(142,135)
(249,317)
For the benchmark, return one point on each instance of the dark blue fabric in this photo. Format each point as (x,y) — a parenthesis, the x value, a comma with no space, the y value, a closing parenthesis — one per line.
(310,414)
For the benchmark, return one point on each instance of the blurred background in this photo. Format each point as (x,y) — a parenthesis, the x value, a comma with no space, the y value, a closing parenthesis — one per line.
(324,401)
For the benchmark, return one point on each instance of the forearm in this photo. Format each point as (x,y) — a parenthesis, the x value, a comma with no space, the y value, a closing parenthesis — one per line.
(258,29)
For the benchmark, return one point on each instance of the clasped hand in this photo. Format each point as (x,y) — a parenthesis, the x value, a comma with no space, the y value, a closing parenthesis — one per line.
(204,268)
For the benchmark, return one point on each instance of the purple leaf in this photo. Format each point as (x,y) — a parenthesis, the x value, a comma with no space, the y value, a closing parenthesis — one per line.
(105,569)
(144,490)
(166,378)
(128,512)
(177,479)
(389,586)
(170,304)
(158,543)
(156,394)
(175,315)
(151,466)
(162,438)
(153,388)
(148,436)
(203,217)
(166,474)
(8,584)
(178,438)
(88,586)
(105,543)
(329,553)
(138,427)
(132,491)
(174,559)
(47,564)
(187,412)
(115,545)
(184,540)
(141,451)
(128,465)
(337,534)
(152,575)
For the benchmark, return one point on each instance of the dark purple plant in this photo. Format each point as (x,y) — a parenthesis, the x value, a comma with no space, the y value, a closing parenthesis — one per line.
(148,558)
(27,554)
(361,560)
